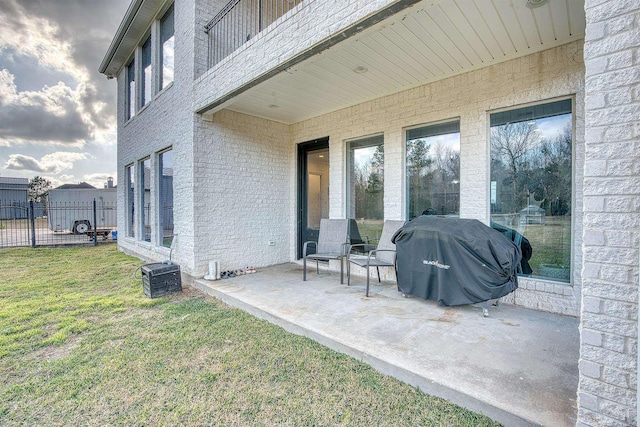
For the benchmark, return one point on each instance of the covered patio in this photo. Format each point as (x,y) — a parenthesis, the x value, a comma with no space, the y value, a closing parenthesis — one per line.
(518,366)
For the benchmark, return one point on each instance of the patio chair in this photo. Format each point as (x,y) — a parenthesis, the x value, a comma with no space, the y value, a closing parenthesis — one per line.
(382,255)
(332,244)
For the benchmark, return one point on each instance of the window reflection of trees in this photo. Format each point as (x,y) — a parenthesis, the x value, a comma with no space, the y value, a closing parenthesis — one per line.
(532,191)
(368,184)
(433,177)
(531,169)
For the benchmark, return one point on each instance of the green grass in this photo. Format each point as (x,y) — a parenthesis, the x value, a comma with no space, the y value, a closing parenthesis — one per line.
(80,344)
(551,242)
(370,229)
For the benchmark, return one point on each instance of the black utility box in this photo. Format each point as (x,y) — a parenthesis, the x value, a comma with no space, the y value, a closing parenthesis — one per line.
(160,279)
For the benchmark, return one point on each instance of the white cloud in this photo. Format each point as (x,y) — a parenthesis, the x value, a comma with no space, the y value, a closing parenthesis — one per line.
(38,37)
(58,113)
(52,115)
(67,178)
(52,96)
(50,164)
(99,180)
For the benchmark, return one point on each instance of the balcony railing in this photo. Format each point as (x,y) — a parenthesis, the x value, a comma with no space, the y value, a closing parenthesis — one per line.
(239,21)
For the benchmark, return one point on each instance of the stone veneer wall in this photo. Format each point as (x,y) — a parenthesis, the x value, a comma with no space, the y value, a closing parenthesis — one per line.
(607,393)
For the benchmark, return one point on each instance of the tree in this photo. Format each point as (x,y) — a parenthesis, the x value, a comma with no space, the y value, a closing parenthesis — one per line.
(419,176)
(512,145)
(512,142)
(551,180)
(38,189)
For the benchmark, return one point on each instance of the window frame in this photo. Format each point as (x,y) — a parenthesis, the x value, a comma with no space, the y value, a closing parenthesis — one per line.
(146,86)
(368,141)
(161,84)
(572,211)
(130,93)
(161,190)
(130,200)
(142,215)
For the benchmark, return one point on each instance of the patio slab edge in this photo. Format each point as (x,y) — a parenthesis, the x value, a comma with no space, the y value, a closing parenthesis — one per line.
(424,384)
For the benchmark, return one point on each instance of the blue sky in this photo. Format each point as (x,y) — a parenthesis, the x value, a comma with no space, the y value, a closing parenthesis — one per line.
(57,113)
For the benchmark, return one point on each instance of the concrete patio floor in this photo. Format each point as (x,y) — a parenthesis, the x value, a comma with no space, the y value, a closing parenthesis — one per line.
(517,366)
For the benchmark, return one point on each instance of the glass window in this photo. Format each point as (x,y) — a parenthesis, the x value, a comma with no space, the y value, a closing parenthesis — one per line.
(166,48)
(165,169)
(131,90)
(531,170)
(433,170)
(130,203)
(365,188)
(145,84)
(145,198)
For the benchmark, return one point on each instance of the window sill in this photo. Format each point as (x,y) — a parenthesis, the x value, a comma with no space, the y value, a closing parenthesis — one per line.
(159,94)
(144,107)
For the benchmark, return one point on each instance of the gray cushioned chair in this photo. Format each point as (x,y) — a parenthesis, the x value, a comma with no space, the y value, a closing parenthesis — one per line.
(382,255)
(332,244)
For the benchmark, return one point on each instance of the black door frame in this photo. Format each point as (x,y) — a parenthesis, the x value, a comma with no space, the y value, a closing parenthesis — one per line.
(303,149)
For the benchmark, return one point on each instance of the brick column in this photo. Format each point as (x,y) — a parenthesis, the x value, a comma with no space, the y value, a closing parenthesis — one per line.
(609,316)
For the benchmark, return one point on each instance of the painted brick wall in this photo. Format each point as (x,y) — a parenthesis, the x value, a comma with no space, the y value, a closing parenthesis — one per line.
(166,121)
(205,10)
(607,393)
(542,76)
(241,184)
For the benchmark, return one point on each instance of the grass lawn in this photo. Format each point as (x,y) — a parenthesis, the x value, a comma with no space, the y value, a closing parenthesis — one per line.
(80,344)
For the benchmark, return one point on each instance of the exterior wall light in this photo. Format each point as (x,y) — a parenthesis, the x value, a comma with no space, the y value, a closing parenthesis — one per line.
(532,4)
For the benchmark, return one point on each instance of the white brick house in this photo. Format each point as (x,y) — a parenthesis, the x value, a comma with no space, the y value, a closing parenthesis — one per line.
(238,147)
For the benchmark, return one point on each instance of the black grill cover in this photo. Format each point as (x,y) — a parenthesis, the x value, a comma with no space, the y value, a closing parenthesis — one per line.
(455,261)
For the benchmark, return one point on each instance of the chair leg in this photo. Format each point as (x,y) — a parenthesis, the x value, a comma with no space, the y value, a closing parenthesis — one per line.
(378,270)
(318,267)
(348,273)
(366,293)
(341,271)
(304,269)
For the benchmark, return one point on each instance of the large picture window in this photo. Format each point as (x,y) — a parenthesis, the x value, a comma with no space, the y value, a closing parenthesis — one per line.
(130,201)
(165,171)
(365,188)
(131,90)
(144,190)
(433,170)
(145,84)
(166,48)
(531,184)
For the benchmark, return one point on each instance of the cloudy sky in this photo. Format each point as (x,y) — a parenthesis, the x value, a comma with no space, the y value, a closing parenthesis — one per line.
(57,113)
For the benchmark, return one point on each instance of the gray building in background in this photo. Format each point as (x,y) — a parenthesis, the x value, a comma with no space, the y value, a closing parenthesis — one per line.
(13,198)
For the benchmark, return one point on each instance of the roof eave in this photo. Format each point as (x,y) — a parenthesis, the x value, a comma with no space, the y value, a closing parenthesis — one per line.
(135,23)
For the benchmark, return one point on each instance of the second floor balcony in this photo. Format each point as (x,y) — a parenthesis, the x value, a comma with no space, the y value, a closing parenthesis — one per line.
(239,21)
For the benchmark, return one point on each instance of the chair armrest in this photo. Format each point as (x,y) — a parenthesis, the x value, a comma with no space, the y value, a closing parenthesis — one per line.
(373,252)
(304,247)
(365,246)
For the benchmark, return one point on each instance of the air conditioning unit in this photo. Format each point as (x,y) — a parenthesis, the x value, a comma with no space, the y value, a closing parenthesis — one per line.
(159,279)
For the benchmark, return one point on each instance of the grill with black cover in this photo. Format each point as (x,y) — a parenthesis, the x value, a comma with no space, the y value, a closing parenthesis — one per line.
(455,261)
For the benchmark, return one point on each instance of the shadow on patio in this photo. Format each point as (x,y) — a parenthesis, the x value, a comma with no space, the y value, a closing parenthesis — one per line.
(518,366)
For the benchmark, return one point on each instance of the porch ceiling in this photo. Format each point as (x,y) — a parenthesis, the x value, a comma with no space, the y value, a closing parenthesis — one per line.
(419,45)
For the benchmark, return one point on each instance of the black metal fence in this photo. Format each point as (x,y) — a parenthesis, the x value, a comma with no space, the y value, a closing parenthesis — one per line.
(32,224)
(241,20)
